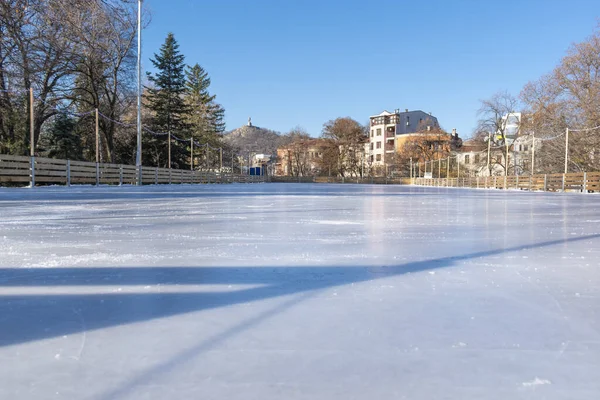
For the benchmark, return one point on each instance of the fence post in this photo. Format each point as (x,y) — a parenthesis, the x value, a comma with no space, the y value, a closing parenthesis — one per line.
(156,175)
(545,182)
(517,184)
(68,172)
(97,173)
(584,186)
(563,182)
(32,175)
(120,174)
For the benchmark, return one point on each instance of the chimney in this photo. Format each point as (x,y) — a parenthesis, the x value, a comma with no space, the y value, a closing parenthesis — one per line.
(406,110)
(454,134)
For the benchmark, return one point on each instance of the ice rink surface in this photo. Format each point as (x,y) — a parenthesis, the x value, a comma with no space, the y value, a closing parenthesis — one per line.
(288,291)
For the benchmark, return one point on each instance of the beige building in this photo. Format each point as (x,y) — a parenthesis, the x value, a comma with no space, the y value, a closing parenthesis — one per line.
(387,132)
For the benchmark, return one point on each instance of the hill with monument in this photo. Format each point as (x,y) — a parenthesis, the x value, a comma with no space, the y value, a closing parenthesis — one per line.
(251,138)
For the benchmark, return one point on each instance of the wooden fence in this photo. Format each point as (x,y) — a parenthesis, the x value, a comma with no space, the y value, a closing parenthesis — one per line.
(21,170)
(576,182)
(331,179)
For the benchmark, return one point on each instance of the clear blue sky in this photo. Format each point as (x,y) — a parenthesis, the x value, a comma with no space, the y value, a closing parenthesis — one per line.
(290,63)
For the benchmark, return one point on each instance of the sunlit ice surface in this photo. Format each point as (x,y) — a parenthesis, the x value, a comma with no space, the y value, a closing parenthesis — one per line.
(298,291)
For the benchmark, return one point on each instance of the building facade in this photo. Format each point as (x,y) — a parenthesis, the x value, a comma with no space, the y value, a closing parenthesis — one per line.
(388,131)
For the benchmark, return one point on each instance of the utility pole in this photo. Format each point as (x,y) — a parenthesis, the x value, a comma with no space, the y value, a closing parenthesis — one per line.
(567,151)
(533,154)
(362,164)
(32,137)
(488,156)
(97,139)
(97,151)
(31,124)
(506,161)
(206,157)
(169,148)
(138,156)
(192,153)
(448,168)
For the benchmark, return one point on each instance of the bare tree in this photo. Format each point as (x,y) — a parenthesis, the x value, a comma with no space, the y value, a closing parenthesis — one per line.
(104,64)
(568,97)
(427,145)
(492,126)
(298,152)
(74,54)
(35,53)
(349,136)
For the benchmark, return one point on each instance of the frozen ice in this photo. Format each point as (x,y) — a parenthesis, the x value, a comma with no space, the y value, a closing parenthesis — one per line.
(298,291)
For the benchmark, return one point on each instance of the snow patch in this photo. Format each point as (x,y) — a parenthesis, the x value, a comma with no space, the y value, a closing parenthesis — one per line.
(537,382)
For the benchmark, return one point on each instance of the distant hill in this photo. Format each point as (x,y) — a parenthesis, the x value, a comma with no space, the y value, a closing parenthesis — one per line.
(249,138)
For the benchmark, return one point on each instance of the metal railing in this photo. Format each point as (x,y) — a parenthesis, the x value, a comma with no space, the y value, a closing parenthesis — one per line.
(587,182)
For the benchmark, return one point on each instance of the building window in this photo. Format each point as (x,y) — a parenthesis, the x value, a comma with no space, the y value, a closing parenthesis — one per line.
(476,158)
(371,158)
(371,145)
(467,159)
(378,131)
(526,148)
(378,157)
(378,145)
(372,132)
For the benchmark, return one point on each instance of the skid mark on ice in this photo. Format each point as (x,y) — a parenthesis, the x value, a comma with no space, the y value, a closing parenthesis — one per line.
(84,334)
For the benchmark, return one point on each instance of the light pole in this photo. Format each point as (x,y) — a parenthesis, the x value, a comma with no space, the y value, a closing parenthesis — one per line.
(566,150)
(138,156)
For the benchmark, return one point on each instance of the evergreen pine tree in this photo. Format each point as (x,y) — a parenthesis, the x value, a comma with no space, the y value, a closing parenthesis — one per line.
(205,114)
(62,140)
(169,111)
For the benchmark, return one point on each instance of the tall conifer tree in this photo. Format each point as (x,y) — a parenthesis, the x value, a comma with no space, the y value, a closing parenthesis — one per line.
(206,115)
(165,100)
